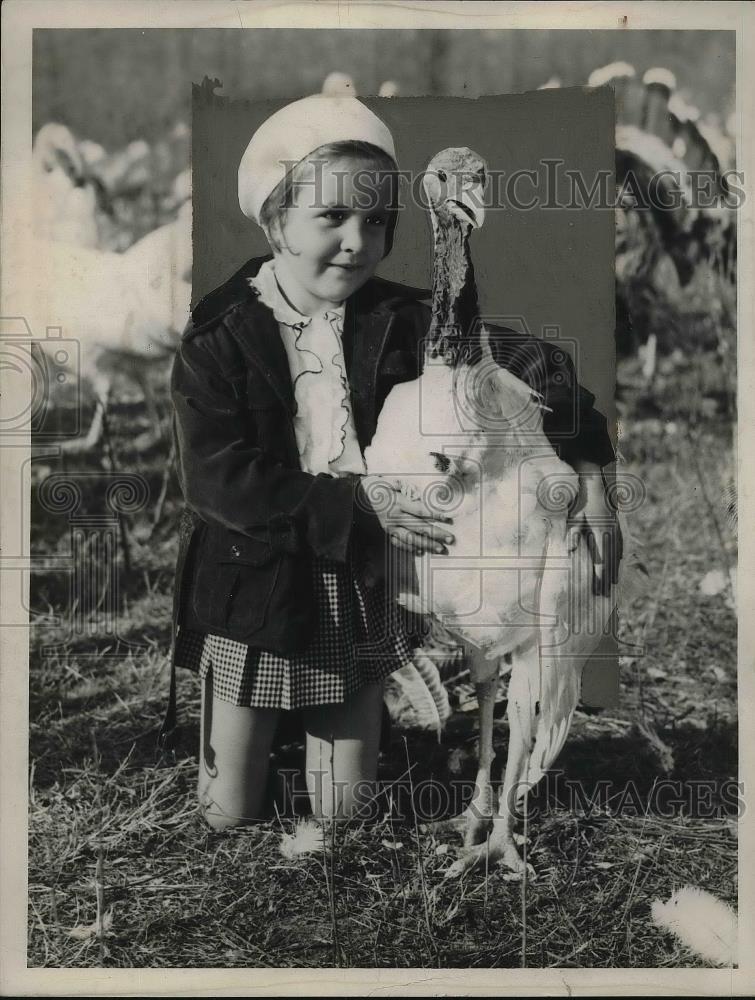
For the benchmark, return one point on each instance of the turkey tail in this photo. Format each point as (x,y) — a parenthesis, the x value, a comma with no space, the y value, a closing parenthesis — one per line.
(690,145)
(420,701)
(544,686)
(560,687)
(546,679)
(560,664)
(430,674)
(543,693)
(443,649)
(674,122)
(646,171)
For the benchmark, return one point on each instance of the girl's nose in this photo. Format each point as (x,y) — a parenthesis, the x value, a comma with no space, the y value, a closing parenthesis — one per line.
(352,236)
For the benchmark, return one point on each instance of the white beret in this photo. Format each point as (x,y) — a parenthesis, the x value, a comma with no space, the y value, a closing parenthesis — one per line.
(295,131)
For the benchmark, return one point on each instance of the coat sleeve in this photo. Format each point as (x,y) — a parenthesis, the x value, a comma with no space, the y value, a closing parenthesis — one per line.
(575,428)
(228,477)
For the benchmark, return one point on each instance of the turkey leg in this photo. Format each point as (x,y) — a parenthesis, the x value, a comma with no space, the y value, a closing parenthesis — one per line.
(501,847)
(502,844)
(481,809)
(479,814)
(78,446)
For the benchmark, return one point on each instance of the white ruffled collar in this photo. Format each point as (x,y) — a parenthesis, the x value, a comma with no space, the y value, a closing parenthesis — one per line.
(265,286)
(324,427)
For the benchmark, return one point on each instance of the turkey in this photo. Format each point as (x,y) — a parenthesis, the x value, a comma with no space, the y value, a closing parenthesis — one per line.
(660,144)
(338,84)
(674,211)
(68,198)
(125,310)
(655,107)
(389,88)
(516,589)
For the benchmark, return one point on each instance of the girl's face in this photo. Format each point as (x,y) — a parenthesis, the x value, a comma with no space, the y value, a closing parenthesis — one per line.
(333,236)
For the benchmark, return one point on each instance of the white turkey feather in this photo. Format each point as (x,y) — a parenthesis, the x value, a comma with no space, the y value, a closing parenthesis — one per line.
(704,924)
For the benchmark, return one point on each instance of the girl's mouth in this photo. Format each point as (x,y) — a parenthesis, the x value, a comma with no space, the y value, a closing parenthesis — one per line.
(348,267)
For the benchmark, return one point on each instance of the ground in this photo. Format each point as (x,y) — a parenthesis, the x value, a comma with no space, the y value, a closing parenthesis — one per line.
(116,832)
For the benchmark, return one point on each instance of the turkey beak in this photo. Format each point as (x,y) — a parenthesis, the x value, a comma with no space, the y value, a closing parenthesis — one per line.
(466,203)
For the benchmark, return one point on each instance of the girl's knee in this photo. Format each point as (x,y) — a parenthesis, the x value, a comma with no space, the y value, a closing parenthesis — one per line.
(354,797)
(216,817)
(218,821)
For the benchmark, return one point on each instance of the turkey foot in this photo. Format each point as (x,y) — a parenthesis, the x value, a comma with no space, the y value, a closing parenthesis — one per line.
(479,814)
(499,849)
(469,825)
(472,826)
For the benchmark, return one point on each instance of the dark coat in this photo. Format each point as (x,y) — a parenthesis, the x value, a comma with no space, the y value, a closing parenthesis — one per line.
(254,520)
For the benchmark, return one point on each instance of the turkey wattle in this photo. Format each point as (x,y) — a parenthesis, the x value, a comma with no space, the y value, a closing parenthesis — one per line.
(467,435)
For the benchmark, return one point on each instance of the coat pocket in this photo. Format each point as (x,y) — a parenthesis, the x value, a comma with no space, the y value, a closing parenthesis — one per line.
(235,580)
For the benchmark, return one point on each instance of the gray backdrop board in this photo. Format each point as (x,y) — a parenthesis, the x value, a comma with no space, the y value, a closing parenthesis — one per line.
(550,268)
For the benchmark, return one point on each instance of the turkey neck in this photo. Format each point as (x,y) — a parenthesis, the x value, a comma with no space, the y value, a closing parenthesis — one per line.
(455,308)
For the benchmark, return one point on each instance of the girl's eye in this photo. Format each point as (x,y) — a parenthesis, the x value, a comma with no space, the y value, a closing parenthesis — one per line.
(377,220)
(334,216)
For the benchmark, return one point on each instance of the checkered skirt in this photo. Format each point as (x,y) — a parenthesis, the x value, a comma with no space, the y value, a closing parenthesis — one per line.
(360,638)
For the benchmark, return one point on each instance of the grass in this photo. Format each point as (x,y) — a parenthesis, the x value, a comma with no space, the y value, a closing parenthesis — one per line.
(184,896)
(118,850)
(180,895)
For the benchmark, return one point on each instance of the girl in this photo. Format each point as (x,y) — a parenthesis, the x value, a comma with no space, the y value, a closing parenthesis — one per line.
(277,387)
(276,390)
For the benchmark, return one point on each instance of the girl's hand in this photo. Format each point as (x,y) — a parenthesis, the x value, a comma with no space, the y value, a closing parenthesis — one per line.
(594,515)
(409,523)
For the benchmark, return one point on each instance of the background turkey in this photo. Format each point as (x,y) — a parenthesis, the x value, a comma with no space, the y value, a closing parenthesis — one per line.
(670,222)
(126,309)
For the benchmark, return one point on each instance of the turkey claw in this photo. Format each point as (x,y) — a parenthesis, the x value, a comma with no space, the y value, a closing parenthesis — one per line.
(474,858)
(471,826)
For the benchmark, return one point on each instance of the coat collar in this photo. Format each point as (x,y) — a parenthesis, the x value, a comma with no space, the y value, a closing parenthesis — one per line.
(376,295)
(368,318)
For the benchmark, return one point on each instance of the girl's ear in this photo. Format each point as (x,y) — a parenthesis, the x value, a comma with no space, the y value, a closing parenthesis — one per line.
(273,235)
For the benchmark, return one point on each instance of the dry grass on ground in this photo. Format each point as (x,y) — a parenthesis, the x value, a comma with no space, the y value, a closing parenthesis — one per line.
(172,893)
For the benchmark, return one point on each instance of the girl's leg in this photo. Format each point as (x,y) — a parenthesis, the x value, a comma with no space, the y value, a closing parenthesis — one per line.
(342,752)
(234,755)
